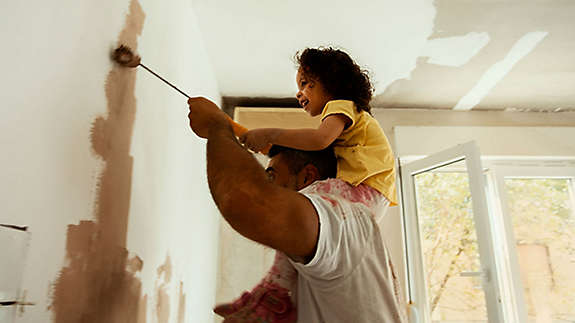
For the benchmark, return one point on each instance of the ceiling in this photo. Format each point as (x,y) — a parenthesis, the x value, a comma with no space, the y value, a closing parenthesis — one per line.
(442,54)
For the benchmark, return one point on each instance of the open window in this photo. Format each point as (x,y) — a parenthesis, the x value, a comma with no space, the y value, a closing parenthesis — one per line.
(452,272)
(491,241)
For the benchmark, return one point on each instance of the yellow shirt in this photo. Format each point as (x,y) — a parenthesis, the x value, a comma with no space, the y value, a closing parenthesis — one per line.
(363,151)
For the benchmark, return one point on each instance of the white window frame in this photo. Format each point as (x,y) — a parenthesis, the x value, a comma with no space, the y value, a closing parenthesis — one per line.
(418,300)
(499,170)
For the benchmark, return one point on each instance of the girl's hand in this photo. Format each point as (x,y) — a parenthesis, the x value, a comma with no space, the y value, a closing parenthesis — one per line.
(258,139)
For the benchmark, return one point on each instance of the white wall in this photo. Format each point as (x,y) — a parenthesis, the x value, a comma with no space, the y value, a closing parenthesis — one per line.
(171,199)
(55,63)
(499,142)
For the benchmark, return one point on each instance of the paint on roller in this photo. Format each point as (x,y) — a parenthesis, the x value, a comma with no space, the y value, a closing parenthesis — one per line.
(99,282)
(499,70)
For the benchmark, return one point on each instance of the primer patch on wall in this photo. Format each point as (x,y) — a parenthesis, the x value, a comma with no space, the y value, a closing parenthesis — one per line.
(182,304)
(143,309)
(454,51)
(162,297)
(99,283)
(498,71)
(163,308)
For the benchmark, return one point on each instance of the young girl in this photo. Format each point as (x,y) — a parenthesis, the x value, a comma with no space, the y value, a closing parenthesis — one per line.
(332,85)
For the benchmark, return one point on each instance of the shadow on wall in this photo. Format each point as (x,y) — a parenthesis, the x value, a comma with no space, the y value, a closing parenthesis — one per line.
(99,282)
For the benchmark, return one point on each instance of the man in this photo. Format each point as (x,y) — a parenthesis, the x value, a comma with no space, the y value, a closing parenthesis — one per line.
(328,230)
(295,169)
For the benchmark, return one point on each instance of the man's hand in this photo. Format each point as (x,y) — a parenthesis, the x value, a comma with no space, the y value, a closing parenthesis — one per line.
(258,139)
(205,114)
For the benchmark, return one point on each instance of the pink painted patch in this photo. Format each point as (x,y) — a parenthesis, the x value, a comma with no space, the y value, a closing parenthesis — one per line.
(362,193)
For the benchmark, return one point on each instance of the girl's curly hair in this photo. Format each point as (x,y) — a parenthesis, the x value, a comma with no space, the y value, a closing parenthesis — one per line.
(338,73)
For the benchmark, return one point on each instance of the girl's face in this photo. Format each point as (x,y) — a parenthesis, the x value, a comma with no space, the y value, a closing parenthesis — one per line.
(312,96)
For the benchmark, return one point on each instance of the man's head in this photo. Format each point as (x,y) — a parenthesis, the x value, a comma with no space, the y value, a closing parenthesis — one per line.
(296,169)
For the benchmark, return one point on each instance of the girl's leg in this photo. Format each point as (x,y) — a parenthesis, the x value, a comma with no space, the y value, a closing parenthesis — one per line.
(282,274)
(277,287)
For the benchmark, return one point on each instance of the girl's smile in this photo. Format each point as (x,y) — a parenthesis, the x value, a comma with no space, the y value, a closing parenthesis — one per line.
(312,96)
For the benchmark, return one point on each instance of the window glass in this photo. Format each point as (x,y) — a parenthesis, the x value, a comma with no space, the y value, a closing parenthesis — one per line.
(449,245)
(544,229)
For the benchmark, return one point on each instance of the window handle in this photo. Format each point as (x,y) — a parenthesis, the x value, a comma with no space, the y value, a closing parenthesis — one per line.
(471,273)
(483,274)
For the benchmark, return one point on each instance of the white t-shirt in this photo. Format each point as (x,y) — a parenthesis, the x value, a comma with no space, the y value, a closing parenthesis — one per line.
(350,278)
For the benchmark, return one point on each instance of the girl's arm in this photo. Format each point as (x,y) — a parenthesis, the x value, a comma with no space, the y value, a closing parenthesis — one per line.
(311,139)
(303,139)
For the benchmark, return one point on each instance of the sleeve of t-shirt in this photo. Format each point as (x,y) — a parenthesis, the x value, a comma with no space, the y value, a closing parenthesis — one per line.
(344,107)
(345,230)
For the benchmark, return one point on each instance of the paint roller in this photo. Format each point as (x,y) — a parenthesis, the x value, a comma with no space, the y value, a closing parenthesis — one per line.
(124,56)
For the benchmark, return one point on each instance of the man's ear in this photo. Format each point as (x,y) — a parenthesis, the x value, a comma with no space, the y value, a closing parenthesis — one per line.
(308,175)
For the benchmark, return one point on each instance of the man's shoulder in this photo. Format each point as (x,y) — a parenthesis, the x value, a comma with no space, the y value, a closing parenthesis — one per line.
(343,192)
(331,186)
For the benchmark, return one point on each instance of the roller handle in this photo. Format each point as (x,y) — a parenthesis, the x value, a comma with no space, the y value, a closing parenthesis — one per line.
(238,128)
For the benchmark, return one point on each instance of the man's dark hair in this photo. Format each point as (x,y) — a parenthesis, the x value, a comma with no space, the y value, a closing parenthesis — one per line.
(324,160)
(338,73)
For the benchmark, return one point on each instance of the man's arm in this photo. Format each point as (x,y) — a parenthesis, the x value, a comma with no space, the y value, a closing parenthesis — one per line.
(259,210)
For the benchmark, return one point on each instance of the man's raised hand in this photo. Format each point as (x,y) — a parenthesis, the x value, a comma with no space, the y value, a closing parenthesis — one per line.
(205,114)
